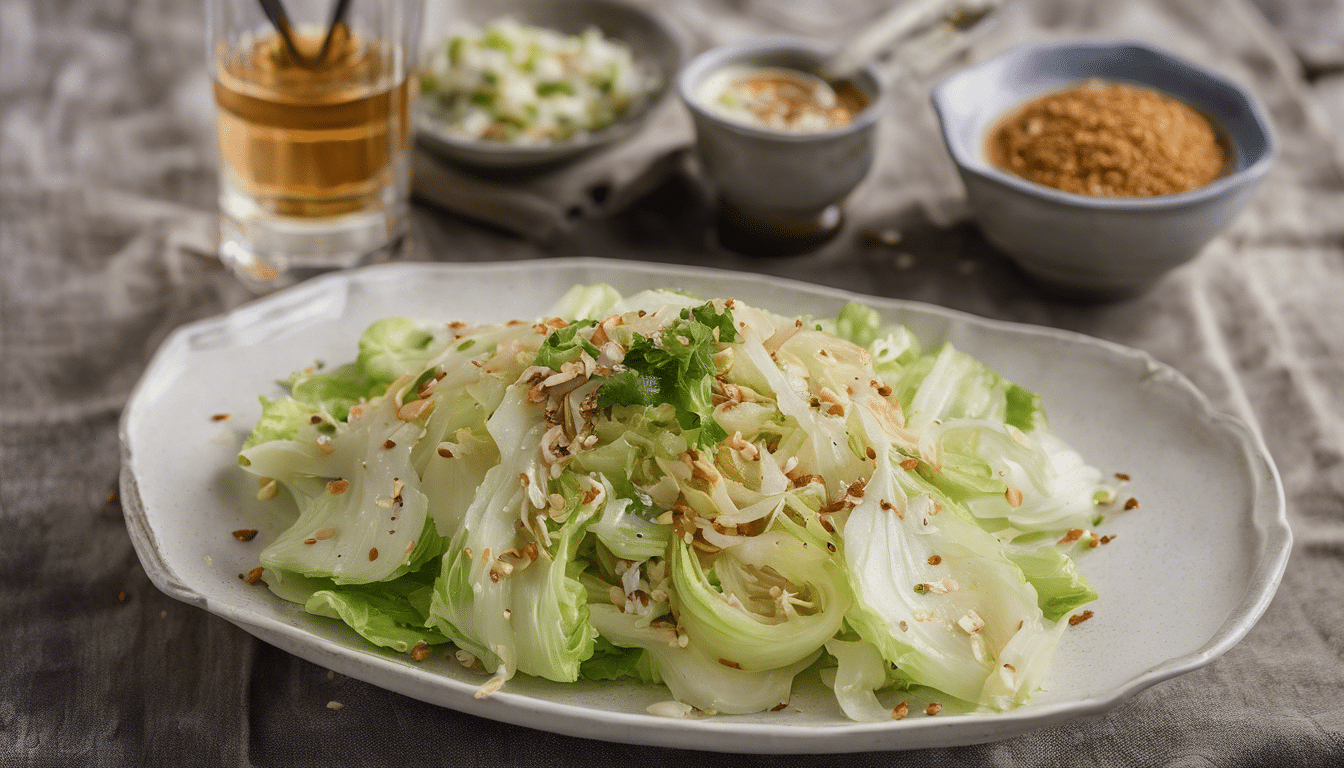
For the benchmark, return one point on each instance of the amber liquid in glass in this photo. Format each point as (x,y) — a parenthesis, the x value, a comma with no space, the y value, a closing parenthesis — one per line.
(312,141)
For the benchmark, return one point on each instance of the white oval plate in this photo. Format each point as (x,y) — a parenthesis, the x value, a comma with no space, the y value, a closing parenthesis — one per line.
(1188,575)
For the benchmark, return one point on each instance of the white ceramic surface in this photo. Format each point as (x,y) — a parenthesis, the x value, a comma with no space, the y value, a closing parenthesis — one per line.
(1188,574)
(1098,246)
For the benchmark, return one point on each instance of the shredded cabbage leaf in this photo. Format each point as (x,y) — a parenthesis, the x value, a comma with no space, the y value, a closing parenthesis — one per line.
(703,495)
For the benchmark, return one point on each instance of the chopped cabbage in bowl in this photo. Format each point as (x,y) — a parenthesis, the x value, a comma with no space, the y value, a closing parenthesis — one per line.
(519,84)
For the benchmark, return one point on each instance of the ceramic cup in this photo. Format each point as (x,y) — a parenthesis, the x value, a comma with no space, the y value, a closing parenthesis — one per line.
(780,187)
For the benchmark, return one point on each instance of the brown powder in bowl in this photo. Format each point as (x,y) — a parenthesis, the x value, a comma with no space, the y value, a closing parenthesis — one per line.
(1110,140)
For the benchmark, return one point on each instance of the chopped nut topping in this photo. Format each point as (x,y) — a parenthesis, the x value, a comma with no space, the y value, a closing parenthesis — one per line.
(971,622)
(1014,497)
(1073,535)
(728,663)
(935,559)
(900,711)
(910,464)
(245,534)
(1108,539)
(337,487)
(324,445)
(871,453)
(1122,476)
(221,417)
(254,575)
(388,444)
(933,708)
(1132,504)
(444,451)
(421,651)
(1079,618)
(373,554)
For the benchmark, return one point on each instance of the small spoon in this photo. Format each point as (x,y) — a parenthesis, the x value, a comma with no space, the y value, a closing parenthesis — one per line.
(904,21)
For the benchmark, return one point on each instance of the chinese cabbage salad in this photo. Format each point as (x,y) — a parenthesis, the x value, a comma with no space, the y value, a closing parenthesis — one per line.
(699,494)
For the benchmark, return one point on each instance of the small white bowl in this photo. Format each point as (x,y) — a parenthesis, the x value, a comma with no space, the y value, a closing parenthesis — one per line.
(650,39)
(780,185)
(1097,246)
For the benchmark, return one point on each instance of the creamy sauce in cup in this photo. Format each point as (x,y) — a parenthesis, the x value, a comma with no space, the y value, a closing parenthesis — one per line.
(780,99)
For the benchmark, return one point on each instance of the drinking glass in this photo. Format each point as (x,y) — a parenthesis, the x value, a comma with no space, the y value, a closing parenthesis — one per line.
(314,134)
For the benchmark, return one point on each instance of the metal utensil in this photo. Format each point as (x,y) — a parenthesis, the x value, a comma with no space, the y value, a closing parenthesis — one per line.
(337,17)
(275,11)
(907,21)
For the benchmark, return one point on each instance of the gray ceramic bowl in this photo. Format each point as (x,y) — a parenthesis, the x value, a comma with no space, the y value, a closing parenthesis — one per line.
(1097,246)
(787,183)
(650,39)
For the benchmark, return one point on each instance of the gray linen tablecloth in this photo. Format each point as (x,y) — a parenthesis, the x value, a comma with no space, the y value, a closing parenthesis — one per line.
(106,199)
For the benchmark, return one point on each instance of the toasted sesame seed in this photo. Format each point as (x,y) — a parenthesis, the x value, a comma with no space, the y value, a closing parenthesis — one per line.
(900,711)
(373,554)
(910,464)
(1132,504)
(310,541)
(1122,476)
(935,559)
(933,708)
(414,409)
(322,534)
(1072,535)
(254,575)
(269,487)
(1079,618)
(1014,497)
(324,445)
(731,664)
(245,534)
(904,627)
(871,453)
(334,705)
(337,487)
(221,417)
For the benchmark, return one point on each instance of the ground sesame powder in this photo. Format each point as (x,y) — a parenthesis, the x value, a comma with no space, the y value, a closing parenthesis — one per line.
(1110,140)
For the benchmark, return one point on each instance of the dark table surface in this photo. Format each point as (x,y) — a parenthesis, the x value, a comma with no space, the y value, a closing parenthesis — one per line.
(107,187)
